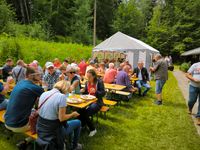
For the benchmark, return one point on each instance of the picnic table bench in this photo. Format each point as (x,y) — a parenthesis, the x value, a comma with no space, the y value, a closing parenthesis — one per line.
(27,133)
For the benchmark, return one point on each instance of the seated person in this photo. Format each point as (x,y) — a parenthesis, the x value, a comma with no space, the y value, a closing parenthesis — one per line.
(7,69)
(143,78)
(19,72)
(110,74)
(52,76)
(95,87)
(53,123)
(123,79)
(74,80)
(3,91)
(101,68)
(22,100)
(91,66)
(63,70)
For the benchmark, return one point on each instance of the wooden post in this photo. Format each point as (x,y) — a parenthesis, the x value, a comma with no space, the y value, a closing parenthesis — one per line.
(94,31)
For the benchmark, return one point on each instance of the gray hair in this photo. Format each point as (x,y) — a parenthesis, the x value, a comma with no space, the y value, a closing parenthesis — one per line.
(111,65)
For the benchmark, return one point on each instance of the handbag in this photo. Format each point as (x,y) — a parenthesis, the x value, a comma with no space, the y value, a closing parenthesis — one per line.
(34,116)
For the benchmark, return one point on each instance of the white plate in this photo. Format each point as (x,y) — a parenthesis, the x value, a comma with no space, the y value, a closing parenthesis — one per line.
(74,100)
(88,97)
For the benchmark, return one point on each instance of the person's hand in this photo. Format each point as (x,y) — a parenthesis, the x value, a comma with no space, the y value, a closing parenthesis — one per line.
(62,77)
(151,68)
(75,114)
(82,90)
(196,80)
(92,90)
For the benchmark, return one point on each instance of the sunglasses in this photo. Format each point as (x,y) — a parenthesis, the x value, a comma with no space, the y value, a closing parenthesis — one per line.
(71,72)
(50,68)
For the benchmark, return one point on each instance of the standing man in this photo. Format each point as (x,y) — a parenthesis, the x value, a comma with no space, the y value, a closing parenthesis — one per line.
(143,78)
(83,67)
(160,70)
(7,69)
(193,75)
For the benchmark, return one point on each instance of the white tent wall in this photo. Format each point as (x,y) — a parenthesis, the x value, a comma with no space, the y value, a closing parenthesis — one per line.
(146,58)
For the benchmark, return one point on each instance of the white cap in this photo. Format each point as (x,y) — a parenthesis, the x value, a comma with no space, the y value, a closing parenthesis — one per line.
(35,61)
(49,64)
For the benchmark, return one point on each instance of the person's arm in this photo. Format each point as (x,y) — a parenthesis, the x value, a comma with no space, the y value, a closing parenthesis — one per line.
(147,74)
(190,77)
(189,74)
(127,82)
(63,116)
(100,89)
(155,67)
(74,85)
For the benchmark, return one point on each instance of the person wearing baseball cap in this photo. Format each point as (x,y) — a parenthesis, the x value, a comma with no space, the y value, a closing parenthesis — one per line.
(52,76)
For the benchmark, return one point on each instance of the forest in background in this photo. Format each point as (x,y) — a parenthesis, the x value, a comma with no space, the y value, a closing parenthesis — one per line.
(171,26)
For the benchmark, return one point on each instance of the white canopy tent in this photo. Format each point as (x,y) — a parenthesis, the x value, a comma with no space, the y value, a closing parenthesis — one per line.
(134,49)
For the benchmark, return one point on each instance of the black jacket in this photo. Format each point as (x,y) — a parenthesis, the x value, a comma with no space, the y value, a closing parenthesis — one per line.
(145,74)
(99,93)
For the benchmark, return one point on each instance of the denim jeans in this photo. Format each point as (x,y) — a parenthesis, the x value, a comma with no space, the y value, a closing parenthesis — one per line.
(93,109)
(159,86)
(194,95)
(141,84)
(73,131)
(4,104)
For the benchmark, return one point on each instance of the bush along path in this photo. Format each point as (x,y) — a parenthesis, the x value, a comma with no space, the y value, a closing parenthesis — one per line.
(183,84)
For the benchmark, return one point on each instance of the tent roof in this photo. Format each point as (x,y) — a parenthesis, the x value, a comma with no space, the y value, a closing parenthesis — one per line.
(122,42)
(195,51)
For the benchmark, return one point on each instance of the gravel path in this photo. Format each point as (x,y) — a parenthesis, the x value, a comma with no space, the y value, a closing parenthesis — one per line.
(183,84)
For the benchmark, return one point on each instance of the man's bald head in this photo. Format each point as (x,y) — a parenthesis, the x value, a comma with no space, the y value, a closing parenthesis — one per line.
(158,57)
(126,68)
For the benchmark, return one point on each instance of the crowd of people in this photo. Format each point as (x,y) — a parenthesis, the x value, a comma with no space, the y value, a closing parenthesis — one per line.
(48,87)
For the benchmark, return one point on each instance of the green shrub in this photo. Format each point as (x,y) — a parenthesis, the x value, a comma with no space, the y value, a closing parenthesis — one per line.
(185,66)
(30,49)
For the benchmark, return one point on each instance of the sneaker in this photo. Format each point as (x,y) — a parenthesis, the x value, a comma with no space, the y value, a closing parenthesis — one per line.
(92,133)
(158,102)
(189,112)
(198,121)
(78,147)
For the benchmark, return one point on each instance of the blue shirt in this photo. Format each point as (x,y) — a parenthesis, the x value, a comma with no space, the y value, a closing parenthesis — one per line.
(22,100)
(2,97)
(123,79)
(49,110)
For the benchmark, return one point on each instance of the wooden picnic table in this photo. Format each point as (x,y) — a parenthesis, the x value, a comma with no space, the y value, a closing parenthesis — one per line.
(84,104)
(115,87)
(133,79)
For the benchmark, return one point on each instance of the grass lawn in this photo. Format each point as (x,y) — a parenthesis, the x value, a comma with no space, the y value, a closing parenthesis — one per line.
(139,125)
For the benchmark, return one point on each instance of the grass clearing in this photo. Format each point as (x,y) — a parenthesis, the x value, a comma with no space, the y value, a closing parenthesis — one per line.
(139,125)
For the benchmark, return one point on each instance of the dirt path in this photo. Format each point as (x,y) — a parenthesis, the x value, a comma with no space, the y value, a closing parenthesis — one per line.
(183,84)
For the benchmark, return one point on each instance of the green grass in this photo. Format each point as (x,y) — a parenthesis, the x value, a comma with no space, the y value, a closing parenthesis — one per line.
(140,125)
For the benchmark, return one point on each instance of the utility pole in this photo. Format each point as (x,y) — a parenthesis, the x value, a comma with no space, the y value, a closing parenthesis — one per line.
(95,16)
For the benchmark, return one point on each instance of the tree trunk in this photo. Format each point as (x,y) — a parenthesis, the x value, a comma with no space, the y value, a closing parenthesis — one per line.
(27,13)
(22,11)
